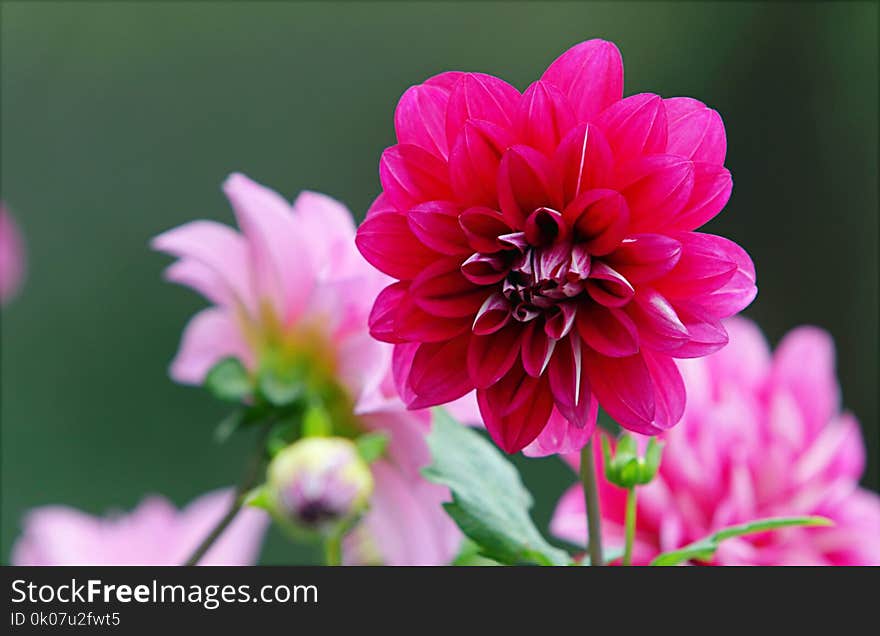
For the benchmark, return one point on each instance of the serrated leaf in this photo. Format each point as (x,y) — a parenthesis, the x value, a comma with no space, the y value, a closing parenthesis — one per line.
(489,501)
(704,549)
(228,380)
(371,446)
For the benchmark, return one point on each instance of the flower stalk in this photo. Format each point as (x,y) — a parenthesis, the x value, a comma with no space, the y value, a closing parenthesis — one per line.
(591,499)
(630,525)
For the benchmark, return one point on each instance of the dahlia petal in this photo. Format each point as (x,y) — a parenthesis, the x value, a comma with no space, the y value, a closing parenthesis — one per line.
(706,334)
(659,326)
(536,349)
(545,226)
(712,187)
(624,389)
(274,240)
(838,452)
(560,436)
(600,218)
(543,117)
(523,184)
(474,161)
(559,323)
(201,278)
(436,225)
(695,131)
(480,96)
(515,410)
(583,161)
(441,289)
(420,119)
(607,286)
(656,188)
(387,242)
(492,315)
(414,324)
(636,125)
(485,269)
(590,74)
(437,375)
(707,263)
(411,175)
(607,330)
(669,390)
(746,360)
(219,248)
(739,291)
(641,258)
(380,205)
(482,227)
(491,356)
(211,335)
(383,316)
(569,384)
(317,214)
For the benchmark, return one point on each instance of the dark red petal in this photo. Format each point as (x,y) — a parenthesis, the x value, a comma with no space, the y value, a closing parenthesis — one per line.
(480,96)
(442,290)
(669,390)
(516,409)
(624,388)
(543,117)
(492,315)
(600,218)
(582,162)
(523,184)
(383,316)
(635,126)
(388,244)
(544,226)
(607,286)
(607,330)
(560,320)
(491,356)
(590,74)
(656,188)
(436,225)
(568,382)
(536,349)
(645,257)
(437,375)
(411,175)
(660,328)
(474,161)
(420,118)
(695,131)
(482,227)
(414,324)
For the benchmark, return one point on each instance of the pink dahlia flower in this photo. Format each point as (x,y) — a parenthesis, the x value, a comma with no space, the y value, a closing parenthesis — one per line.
(544,249)
(154,533)
(12,256)
(291,286)
(762,436)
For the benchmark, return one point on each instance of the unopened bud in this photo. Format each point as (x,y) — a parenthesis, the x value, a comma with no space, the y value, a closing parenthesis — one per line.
(624,467)
(319,483)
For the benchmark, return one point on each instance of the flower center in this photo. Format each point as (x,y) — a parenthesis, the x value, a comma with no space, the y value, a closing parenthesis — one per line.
(544,276)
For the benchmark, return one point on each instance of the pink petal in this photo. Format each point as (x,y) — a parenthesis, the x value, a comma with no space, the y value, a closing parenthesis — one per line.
(695,131)
(543,117)
(838,452)
(486,269)
(656,188)
(12,256)
(438,375)
(659,326)
(387,242)
(561,436)
(201,278)
(211,335)
(739,291)
(474,161)
(607,330)
(590,74)
(635,126)
(396,318)
(317,214)
(706,334)
(583,161)
(411,175)
(523,184)
(482,227)
(491,356)
(515,409)
(607,286)
(436,225)
(641,258)
(746,360)
(669,389)
(706,264)
(446,80)
(443,290)
(600,218)
(480,96)
(712,187)
(536,349)
(420,118)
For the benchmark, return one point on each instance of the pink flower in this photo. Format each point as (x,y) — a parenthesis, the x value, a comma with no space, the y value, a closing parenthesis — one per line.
(543,249)
(155,533)
(762,436)
(292,286)
(12,256)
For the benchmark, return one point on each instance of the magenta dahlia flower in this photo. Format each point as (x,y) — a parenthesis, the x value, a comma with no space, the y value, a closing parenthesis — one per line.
(154,533)
(544,249)
(762,436)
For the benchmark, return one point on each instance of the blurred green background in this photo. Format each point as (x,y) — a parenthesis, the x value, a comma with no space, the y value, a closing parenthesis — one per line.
(120,120)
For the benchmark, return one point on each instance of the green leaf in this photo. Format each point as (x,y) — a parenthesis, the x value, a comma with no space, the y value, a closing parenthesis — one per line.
(371,446)
(279,389)
(704,549)
(229,380)
(469,555)
(316,422)
(259,498)
(489,501)
(281,435)
(228,425)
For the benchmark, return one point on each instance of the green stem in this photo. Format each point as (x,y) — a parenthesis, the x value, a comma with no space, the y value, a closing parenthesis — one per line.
(591,499)
(333,549)
(248,481)
(630,525)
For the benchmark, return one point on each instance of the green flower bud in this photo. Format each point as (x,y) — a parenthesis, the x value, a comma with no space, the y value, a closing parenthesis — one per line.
(319,484)
(624,467)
